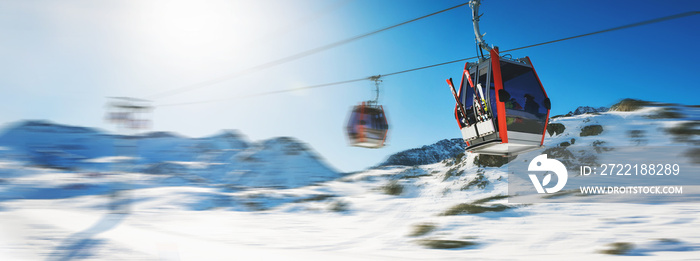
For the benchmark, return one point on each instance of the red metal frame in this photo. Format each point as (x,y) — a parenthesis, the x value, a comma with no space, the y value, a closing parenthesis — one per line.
(500,106)
(546,121)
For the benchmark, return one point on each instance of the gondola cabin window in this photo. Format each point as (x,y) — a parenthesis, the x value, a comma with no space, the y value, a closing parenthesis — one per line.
(525,110)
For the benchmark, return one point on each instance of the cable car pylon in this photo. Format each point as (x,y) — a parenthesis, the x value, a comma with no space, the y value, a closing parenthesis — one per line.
(130,115)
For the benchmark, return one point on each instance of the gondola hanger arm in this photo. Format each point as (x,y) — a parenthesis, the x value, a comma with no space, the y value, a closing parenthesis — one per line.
(474,5)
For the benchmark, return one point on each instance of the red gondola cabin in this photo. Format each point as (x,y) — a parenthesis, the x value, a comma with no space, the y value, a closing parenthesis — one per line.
(506,107)
(367,126)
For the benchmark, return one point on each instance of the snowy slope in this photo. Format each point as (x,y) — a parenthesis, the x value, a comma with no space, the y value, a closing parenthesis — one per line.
(390,212)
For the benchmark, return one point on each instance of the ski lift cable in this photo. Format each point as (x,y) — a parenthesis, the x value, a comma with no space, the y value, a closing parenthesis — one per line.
(656,20)
(265,93)
(652,21)
(291,57)
(647,22)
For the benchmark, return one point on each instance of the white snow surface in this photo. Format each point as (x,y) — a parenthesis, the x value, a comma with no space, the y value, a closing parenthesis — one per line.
(228,201)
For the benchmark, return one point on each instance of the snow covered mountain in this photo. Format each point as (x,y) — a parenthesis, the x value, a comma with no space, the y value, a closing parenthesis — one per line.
(281,162)
(407,208)
(428,154)
(29,136)
(224,158)
(586,109)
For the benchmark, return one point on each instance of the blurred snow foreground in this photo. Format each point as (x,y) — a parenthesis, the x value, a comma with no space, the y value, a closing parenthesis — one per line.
(226,198)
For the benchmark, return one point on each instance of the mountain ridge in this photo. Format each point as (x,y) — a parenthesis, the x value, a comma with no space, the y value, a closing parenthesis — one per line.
(222,157)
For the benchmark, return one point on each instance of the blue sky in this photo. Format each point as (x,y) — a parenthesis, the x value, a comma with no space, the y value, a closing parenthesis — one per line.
(60,59)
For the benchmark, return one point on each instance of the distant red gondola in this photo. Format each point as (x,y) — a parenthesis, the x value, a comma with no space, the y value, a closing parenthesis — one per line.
(368,125)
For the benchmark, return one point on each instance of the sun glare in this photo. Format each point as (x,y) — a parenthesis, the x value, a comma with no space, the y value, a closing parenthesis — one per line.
(199,31)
